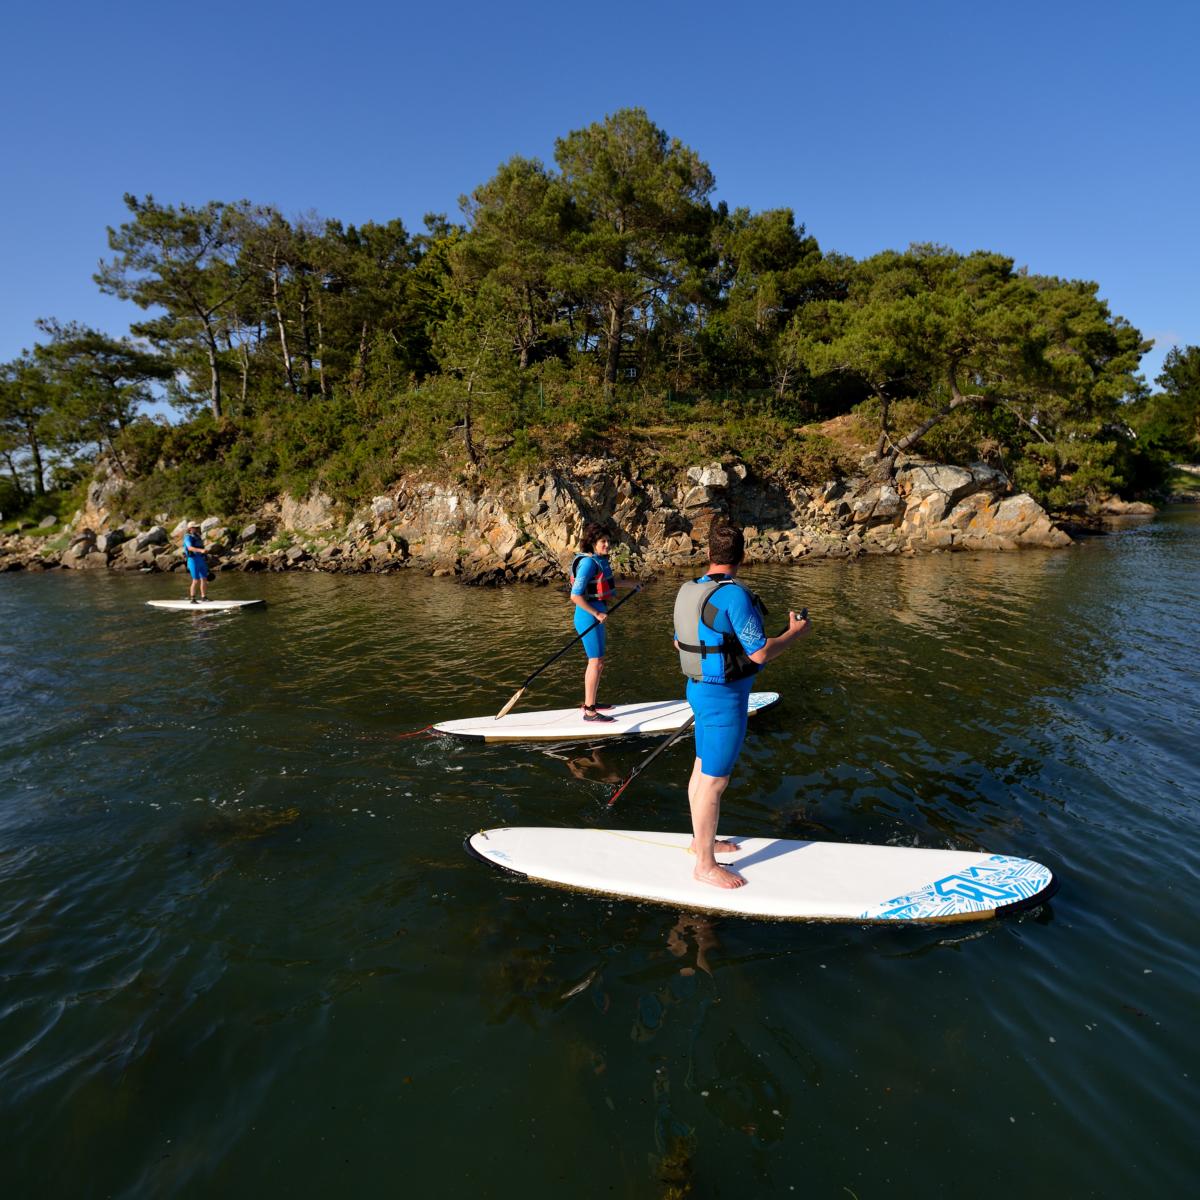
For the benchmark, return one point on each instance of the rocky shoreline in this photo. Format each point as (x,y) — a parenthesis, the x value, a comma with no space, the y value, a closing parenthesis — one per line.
(527,531)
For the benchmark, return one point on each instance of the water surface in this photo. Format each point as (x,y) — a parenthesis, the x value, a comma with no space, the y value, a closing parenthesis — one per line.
(242,948)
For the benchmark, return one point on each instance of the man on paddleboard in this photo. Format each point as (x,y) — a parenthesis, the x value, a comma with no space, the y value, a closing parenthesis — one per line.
(196,559)
(592,585)
(722,646)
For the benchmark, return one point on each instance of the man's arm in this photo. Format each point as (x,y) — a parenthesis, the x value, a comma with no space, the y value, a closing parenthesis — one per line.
(798,626)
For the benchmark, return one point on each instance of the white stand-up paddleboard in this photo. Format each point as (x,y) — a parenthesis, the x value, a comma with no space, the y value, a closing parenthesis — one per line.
(568,725)
(785,881)
(204,605)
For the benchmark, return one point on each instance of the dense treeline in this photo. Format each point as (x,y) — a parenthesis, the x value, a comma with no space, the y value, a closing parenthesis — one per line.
(604,300)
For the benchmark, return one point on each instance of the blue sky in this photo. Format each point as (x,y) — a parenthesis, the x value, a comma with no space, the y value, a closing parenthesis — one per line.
(1064,134)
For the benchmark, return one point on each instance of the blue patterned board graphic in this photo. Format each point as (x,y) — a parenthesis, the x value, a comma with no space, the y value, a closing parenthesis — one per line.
(996,883)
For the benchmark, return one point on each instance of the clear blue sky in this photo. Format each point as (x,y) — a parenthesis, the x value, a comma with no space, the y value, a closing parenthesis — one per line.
(1062,133)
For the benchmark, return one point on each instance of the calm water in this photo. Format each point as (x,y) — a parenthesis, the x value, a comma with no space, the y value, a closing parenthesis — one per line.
(242,950)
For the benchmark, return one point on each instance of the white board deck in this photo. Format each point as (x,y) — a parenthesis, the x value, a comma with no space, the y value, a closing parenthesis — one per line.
(204,605)
(568,725)
(785,880)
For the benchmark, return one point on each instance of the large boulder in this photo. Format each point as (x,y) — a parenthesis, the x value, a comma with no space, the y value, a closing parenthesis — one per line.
(712,476)
(156,535)
(1114,506)
(983,524)
(315,511)
(82,555)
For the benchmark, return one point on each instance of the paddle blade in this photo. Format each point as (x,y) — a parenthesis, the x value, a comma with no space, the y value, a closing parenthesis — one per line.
(613,798)
(510,705)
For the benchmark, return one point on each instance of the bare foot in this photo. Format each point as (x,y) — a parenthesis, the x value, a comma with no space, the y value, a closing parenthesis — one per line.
(718,847)
(719,877)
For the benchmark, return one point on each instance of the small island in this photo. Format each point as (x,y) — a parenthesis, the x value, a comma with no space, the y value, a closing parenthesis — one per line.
(592,337)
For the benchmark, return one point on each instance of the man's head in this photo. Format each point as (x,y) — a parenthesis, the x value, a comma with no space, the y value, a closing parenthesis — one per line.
(726,545)
(193,525)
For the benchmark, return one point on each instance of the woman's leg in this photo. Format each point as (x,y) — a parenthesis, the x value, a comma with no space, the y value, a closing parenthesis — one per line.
(591,681)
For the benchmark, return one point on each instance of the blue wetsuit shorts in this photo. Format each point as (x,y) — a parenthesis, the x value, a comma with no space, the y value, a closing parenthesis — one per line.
(593,643)
(721,713)
(197,566)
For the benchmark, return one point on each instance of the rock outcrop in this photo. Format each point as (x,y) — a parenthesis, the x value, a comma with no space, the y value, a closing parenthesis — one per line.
(528,529)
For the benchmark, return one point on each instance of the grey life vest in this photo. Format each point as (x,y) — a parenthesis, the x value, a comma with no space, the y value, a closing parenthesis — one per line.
(699,641)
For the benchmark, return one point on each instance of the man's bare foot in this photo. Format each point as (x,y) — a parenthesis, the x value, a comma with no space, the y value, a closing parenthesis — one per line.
(719,877)
(718,847)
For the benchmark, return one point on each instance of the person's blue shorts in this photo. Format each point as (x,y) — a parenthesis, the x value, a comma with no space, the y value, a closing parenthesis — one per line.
(593,643)
(721,714)
(197,567)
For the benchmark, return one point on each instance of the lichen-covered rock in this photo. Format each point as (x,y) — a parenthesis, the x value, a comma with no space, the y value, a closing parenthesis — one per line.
(315,511)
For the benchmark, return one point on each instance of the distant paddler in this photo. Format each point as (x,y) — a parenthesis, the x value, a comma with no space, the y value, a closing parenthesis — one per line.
(592,586)
(722,646)
(196,558)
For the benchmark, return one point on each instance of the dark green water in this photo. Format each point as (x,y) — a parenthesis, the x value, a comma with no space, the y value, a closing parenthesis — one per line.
(242,951)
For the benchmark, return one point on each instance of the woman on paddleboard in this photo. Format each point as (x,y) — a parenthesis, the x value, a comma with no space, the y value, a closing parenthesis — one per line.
(592,585)
(197,561)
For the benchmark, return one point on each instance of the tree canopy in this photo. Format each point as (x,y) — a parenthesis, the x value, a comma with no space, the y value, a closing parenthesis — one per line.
(601,298)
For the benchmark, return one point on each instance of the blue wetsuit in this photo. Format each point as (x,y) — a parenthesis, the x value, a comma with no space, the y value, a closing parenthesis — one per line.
(197,563)
(591,569)
(720,706)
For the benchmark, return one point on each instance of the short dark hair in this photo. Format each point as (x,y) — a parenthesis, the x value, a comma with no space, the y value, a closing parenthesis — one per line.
(593,531)
(726,544)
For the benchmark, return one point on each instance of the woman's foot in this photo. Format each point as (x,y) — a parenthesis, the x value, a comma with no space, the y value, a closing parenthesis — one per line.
(718,876)
(590,714)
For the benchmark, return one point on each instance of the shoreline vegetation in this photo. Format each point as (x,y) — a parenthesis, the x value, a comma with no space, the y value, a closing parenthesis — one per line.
(592,338)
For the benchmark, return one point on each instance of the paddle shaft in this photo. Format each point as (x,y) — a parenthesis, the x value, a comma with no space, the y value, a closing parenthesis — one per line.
(556,656)
(665,744)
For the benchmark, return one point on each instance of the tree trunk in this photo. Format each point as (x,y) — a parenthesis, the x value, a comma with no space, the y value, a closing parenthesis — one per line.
(35,452)
(887,466)
(306,338)
(612,359)
(321,350)
(12,470)
(283,345)
(362,355)
(214,387)
(885,404)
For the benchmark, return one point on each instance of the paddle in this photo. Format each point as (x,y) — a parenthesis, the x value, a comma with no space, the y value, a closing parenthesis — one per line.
(554,657)
(665,744)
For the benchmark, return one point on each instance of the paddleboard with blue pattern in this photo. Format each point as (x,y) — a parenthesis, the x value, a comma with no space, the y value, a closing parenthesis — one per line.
(785,880)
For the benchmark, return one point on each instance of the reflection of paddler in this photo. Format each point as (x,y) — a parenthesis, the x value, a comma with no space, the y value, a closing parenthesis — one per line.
(591,766)
(197,560)
(722,646)
(592,586)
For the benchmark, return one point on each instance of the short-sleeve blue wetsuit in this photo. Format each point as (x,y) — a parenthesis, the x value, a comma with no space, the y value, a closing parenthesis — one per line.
(197,563)
(720,706)
(591,567)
